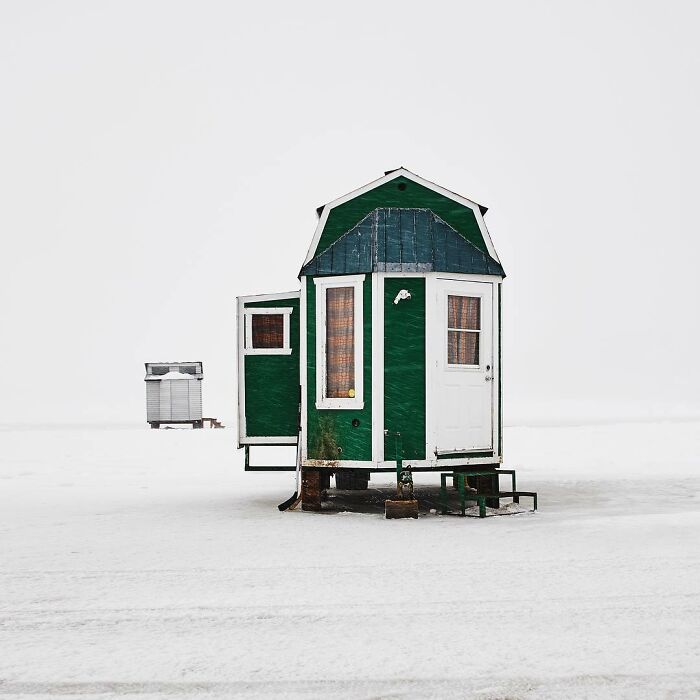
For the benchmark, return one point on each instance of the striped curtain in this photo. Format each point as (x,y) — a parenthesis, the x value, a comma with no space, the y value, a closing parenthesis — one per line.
(340,342)
(463,323)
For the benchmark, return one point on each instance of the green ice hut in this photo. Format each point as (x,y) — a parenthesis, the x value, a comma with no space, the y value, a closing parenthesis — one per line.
(396,329)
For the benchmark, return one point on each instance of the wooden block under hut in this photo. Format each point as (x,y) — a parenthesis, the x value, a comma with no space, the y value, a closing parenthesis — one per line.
(310,489)
(401,509)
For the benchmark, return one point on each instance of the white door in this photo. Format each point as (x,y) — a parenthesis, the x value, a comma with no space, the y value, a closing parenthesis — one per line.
(462,386)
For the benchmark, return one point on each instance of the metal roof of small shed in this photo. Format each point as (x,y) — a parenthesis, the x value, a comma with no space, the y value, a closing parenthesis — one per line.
(402,240)
(151,375)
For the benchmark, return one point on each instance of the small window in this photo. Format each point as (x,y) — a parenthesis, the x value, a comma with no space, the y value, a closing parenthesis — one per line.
(267,331)
(339,343)
(463,330)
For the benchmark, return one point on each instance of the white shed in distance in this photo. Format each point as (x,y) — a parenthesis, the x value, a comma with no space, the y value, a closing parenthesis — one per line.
(174,393)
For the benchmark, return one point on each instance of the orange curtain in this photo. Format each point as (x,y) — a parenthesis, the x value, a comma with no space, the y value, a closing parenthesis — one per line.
(340,341)
(464,312)
(462,345)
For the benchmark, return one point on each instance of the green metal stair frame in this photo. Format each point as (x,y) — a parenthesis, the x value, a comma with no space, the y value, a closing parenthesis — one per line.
(460,479)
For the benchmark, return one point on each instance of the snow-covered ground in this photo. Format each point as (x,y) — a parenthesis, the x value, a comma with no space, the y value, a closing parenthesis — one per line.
(139,563)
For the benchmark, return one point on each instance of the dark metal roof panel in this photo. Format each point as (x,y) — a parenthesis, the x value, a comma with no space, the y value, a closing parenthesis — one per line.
(402,240)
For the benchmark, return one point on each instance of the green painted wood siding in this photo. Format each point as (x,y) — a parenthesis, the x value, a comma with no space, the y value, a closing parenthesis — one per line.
(329,426)
(272,382)
(404,367)
(343,217)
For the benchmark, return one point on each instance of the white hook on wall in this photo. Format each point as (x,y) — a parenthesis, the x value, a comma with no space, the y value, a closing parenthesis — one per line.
(403,294)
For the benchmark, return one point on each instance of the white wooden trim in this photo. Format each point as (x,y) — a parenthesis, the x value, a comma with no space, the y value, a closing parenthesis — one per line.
(277,296)
(451,367)
(377,367)
(462,277)
(269,440)
(438,464)
(322,284)
(241,370)
(431,361)
(286,348)
(269,310)
(303,370)
(402,172)
(497,427)
(467,460)
(339,280)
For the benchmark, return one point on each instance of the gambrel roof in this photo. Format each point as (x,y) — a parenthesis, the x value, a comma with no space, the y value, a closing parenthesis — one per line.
(394,239)
(401,189)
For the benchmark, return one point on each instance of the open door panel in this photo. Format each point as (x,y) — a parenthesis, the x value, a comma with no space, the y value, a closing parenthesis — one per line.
(268,366)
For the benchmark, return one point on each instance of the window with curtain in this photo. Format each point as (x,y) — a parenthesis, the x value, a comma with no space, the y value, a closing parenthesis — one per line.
(267,330)
(463,330)
(340,342)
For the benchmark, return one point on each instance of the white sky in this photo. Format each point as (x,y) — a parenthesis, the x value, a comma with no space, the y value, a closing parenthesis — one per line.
(157,159)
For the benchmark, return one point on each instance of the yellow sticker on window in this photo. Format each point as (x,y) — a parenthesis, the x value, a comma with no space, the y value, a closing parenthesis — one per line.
(351,393)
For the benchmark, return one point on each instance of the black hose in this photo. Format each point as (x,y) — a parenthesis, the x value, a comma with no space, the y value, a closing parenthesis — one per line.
(295,496)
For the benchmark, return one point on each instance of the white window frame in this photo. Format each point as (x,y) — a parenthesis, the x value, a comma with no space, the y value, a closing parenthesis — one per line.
(322,284)
(453,365)
(283,311)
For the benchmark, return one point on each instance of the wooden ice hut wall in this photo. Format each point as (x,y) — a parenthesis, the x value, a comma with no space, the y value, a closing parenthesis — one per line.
(398,322)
